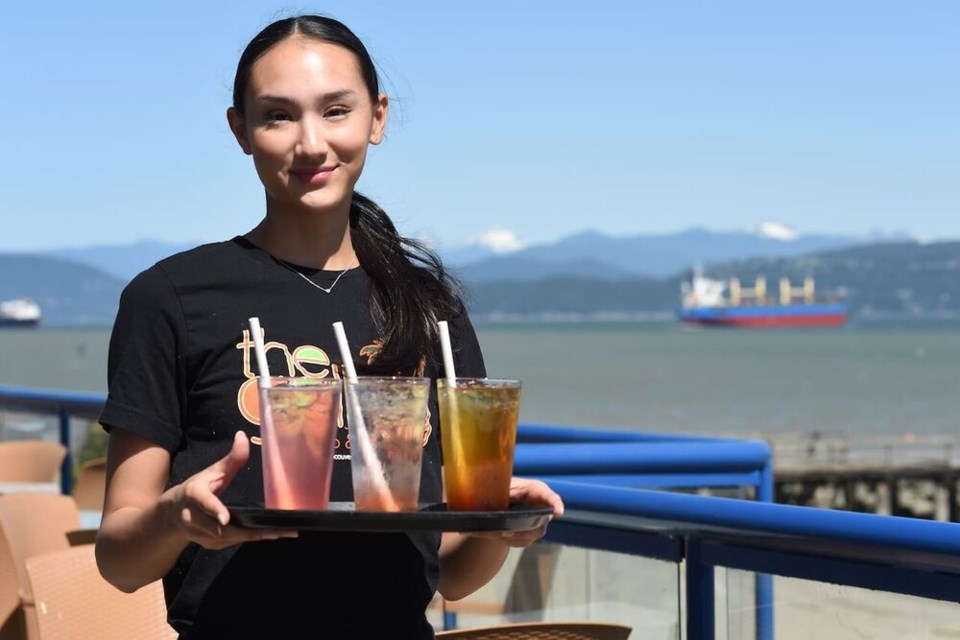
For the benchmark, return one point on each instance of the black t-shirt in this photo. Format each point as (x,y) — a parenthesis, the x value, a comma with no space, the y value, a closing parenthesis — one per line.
(182,373)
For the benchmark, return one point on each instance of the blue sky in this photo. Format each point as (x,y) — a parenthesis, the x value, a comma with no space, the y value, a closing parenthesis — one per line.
(539,118)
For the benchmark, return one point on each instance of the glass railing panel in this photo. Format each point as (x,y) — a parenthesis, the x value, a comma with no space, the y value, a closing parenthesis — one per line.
(554,582)
(24,425)
(804,609)
(603,586)
(735,604)
(87,437)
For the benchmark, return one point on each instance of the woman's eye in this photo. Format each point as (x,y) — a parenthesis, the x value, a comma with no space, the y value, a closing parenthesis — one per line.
(277,116)
(337,112)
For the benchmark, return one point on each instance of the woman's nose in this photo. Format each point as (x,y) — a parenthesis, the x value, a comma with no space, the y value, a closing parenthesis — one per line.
(311,140)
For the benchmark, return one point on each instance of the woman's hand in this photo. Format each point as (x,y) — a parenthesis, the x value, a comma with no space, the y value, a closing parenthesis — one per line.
(145,527)
(470,560)
(531,494)
(195,508)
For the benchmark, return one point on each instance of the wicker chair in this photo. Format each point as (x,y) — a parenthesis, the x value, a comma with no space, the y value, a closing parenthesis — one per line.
(30,523)
(74,602)
(12,626)
(31,460)
(540,631)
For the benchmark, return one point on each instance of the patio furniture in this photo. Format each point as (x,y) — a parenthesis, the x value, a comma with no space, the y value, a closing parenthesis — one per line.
(32,461)
(74,602)
(540,631)
(30,523)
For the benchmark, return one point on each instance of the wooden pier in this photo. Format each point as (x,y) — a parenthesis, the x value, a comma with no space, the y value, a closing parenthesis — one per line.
(928,492)
(906,475)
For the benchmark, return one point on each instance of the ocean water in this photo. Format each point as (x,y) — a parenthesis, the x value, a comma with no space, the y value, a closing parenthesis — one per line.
(859,380)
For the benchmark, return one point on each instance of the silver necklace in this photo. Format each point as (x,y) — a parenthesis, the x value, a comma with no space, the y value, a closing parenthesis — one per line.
(311,282)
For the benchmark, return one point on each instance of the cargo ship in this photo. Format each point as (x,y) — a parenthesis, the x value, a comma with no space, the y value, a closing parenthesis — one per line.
(705,301)
(22,312)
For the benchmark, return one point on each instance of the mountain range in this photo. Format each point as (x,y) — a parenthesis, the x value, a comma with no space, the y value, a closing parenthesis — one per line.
(593,254)
(498,256)
(583,276)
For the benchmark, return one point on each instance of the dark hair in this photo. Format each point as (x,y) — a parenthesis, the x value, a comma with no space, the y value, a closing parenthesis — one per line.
(316,27)
(411,288)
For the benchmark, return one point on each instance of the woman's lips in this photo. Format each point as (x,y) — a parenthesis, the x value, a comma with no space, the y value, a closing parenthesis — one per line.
(314,175)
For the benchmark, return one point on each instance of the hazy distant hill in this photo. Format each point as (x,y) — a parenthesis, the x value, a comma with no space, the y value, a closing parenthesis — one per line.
(644,255)
(903,279)
(519,268)
(663,255)
(69,293)
(122,261)
(587,254)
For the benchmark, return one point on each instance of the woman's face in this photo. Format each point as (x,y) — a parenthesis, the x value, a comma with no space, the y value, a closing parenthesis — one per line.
(308,121)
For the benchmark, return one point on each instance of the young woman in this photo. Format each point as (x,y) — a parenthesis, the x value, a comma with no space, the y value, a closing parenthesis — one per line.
(182,380)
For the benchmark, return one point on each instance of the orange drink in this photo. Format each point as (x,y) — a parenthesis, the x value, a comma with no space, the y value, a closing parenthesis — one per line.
(478,430)
(387,417)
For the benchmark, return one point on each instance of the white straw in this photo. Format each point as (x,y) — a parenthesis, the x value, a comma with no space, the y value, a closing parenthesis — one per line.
(451,377)
(266,429)
(260,352)
(447,353)
(345,350)
(363,439)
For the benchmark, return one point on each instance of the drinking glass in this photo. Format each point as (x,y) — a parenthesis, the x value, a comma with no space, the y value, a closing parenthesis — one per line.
(387,417)
(478,431)
(298,425)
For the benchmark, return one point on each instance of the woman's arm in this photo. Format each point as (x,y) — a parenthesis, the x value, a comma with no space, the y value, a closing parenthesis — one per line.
(469,561)
(144,528)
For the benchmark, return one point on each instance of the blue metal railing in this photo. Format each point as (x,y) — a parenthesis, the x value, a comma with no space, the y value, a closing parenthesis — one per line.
(592,457)
(601,474)
(64,405)
(886,553)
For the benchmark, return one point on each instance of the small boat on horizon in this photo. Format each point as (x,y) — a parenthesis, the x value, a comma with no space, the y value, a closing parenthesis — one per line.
(706,301)
(21,312)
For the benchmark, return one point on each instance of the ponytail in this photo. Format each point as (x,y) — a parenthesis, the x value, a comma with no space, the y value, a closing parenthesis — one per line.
(411,290)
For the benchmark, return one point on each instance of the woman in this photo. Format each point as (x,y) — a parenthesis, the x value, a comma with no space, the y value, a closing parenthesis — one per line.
(181,405)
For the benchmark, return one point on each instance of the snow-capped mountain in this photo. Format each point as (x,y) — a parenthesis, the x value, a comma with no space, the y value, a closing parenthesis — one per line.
(773,230)
(643,255)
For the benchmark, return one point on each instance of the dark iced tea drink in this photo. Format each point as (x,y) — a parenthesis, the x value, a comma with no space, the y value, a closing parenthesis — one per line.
(478,427)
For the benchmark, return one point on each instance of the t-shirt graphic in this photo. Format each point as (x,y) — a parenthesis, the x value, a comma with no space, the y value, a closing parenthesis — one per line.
(308,361)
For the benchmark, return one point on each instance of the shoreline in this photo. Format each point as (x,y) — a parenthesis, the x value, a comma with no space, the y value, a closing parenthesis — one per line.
(661,317)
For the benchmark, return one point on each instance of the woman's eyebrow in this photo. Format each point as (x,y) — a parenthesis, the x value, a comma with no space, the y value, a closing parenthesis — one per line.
(332,96)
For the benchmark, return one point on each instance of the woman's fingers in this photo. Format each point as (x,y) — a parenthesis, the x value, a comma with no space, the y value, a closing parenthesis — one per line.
(202,490)
(530,493)
(236,458)
(535,492)
(203,515)
(209,533)
(522,538)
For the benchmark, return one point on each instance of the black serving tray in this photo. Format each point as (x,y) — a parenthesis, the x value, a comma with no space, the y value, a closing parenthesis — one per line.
(342,516)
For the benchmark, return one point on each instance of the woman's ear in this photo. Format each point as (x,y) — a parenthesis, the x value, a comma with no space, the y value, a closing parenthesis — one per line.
(239,128)
(379,124)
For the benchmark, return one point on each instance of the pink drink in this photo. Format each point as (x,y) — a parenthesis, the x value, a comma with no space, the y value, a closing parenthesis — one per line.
(298,426)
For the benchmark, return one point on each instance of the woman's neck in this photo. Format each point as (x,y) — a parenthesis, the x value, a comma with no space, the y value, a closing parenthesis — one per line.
(317,239)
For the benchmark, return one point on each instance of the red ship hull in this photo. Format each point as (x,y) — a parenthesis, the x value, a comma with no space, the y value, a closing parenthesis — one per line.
(760,317)
(759,322)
